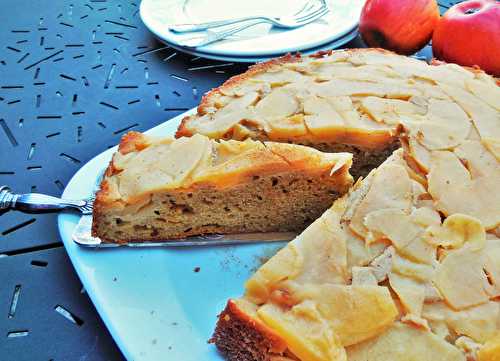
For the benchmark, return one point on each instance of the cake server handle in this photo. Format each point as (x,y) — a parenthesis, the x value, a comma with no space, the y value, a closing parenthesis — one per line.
(36,202)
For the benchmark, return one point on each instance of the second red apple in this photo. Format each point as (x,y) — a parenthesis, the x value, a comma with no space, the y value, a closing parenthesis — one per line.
(404,26)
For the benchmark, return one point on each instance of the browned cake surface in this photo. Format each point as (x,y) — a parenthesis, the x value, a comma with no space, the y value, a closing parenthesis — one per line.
(407,266)
(158,189)
(280,100)
(329,101)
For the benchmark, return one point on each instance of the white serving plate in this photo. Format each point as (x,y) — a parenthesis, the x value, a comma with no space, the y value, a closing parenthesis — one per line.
(261,40)
(254,59)
(154,304)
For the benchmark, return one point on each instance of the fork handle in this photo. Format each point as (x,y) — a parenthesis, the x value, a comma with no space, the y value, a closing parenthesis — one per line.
(186,28)
(213,36)
(34,202)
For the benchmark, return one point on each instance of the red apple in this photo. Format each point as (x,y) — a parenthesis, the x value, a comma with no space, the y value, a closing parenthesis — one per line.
(403,26)
(469,34)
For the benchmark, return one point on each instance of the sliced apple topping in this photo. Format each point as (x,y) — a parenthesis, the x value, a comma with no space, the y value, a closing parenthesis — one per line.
(350,313)
(382,264)
(381,58)
(466,181)
(405,234)
(457,230)
(491,349)
(425,216)
(279,77)
(227,149)
(491,268)
(289,127)
(411,292)
(444,126)
(162,166)
(279,103)
(359,253)
(484,117)
(363,276)
(468,346)
(379,196)
(321,115)
(324,252)
(368,73)
(304,330)
(404,343)
(393,224)
(287,263)
(493,145)
(477,322)
(417,271)
(344,106)
(238,90)
(217,124)
(468,277)
(434,74)
(318,255)
(392,111)
(418,153)
(485,90)
(355,313)
(342,87)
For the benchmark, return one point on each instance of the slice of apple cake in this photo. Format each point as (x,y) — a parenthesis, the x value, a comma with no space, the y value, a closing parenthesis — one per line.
(160,188)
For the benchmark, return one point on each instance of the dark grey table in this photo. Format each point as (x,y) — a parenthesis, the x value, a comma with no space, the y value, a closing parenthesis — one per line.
(74,76)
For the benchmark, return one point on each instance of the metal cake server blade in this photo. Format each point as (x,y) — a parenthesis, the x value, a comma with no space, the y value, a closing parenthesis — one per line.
(83,237)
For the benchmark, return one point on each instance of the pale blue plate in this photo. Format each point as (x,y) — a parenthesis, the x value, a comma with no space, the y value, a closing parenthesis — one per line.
(153,302)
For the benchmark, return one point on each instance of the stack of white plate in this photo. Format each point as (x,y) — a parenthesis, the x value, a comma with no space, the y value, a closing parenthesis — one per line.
(259,42)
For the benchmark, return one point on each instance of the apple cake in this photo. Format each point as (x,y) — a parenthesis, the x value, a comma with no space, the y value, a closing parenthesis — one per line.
(160,188)
(346,101)
(406,266)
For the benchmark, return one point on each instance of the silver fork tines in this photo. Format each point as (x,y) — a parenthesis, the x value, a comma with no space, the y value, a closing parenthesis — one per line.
(310,9)
(212,36)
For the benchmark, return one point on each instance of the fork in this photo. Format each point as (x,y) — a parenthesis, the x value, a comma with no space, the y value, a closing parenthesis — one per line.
(289,22)
(283,21)
(36,202)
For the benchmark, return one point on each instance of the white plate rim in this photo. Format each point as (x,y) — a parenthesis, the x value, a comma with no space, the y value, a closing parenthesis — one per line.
(242,48)
(337,43)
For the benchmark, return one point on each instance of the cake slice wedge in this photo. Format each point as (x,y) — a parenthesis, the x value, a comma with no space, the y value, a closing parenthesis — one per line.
(382,275)
(161,188)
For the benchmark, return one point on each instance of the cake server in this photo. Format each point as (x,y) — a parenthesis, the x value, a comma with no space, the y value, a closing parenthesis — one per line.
(36,203)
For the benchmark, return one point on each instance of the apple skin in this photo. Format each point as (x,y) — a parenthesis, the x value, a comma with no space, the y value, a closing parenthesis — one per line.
(403,26)
(470,39)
